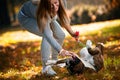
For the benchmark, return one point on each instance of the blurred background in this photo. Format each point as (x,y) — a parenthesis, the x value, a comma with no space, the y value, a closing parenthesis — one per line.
(80,11)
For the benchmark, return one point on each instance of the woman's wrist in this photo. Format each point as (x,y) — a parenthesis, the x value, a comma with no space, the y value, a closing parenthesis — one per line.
(72,33)
(64,53)
(76,34)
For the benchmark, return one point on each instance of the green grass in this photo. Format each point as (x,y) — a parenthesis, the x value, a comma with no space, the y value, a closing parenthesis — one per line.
(111,29)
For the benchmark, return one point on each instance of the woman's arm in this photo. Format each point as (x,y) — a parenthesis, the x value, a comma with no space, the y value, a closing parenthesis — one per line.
(48,34)
(71,32)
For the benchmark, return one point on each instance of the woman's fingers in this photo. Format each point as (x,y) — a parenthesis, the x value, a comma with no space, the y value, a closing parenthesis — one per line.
(65,53)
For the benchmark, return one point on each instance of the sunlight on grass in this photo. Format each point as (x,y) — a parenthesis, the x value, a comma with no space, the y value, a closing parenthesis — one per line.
(18,36)
(109,33)
(101,28)
(10,73)
(112,61)
(111,66)
(85,29)
(30,73)
(111,43)
(27,74)
(108,75)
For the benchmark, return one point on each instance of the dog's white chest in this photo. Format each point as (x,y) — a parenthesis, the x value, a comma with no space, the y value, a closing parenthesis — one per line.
(84,54)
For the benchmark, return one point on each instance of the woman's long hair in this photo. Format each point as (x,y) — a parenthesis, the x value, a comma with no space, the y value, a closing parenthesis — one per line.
(44,11)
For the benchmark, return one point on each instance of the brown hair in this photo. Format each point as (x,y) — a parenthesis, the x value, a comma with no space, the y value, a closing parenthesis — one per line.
(44,11)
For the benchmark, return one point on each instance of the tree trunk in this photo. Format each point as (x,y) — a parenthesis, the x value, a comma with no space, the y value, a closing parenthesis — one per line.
(113,9)
(4,14)
(12,2)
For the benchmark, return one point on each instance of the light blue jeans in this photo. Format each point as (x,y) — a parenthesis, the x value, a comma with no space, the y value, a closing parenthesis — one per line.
(30,24)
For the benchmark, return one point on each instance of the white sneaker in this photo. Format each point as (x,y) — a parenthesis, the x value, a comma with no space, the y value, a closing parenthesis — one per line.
(51,62)
(48,71)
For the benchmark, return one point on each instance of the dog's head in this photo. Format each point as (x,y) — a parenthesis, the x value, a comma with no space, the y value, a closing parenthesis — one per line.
(101,47)
(75,66)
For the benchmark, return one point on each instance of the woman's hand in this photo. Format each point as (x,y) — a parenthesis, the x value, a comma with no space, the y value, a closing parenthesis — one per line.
(66,53)
(76,35)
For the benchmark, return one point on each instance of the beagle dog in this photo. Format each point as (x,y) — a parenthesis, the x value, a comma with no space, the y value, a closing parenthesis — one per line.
(89,58)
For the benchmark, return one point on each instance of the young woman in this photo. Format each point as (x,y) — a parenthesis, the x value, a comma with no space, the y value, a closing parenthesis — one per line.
(40,19)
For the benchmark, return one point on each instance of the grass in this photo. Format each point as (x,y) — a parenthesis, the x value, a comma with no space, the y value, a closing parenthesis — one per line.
(20,58)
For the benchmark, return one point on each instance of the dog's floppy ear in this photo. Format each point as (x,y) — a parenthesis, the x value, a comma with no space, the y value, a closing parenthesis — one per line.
(100,46)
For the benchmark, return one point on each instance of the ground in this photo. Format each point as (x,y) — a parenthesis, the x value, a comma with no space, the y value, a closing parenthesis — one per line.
(20,52)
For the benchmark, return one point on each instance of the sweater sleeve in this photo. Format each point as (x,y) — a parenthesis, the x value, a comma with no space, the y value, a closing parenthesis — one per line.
(48,34)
